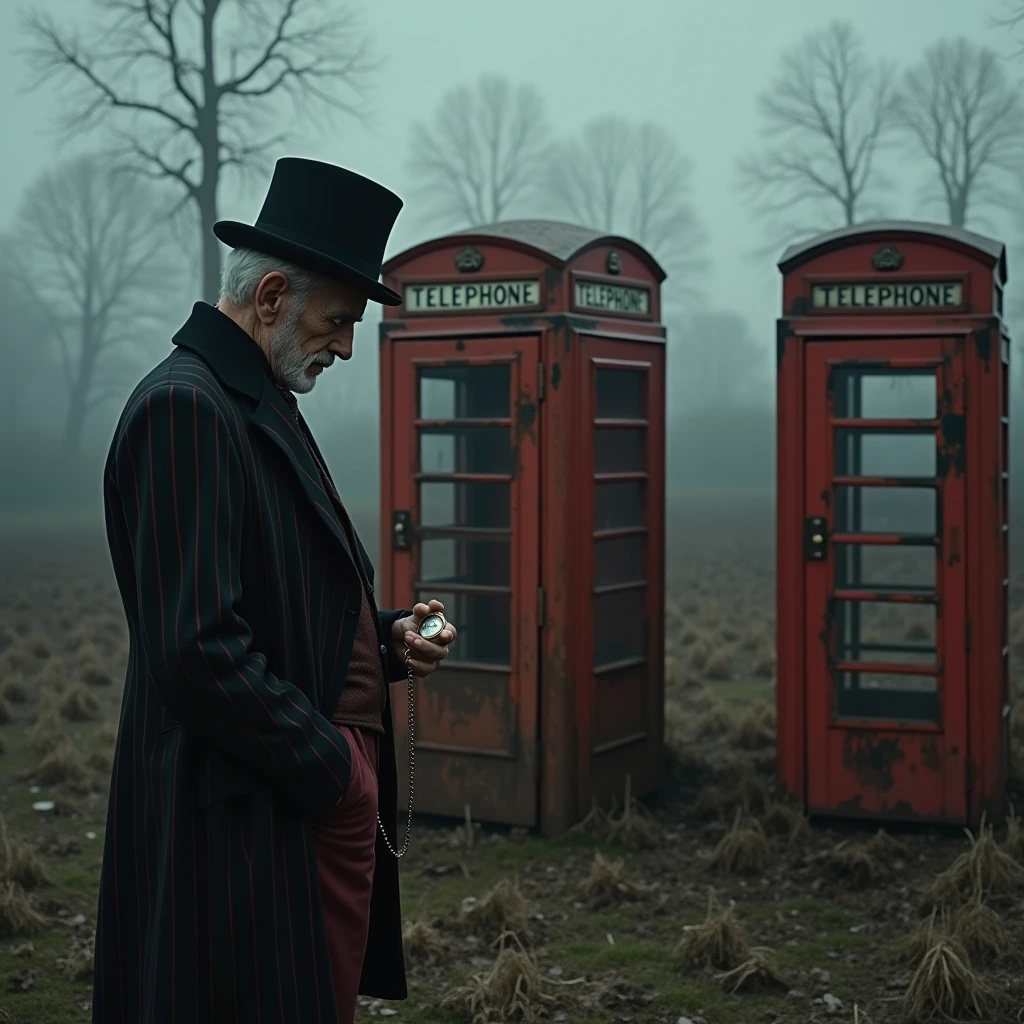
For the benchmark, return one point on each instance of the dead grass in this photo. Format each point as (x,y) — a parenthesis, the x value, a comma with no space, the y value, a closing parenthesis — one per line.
(608,883)
(15,689)
(80,704)
(48,733)
(743,850)
(714,720)
(19,861)
(785,822)
(63,765)
(945,986)
(501,909)
(718,941)
(635,827)
(54,674)
(514,989)
(17,916)
(982,873)
(421,941)
(107,732)
(719,665)
(855,862)
(756,729)
(758,973)
(93,670)
(77,965)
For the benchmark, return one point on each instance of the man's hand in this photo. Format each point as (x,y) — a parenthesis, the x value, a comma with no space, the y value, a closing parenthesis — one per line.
(424,655)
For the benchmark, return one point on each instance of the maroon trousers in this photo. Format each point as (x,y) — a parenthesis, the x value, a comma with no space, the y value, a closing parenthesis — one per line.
(344,843)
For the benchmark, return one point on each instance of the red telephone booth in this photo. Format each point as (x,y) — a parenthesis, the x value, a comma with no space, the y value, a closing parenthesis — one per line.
(522,477)
(893,685)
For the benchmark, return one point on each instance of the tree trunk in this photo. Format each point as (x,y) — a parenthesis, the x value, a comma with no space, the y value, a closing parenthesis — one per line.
(210,244)
(75,419)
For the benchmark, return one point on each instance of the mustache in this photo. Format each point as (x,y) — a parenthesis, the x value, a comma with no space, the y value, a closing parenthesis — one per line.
(322,358)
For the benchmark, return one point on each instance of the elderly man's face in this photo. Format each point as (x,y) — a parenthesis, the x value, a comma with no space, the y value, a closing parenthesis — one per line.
(304,338)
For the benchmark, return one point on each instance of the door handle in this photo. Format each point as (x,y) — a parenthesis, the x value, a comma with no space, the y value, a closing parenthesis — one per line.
(815,538)
(401,530)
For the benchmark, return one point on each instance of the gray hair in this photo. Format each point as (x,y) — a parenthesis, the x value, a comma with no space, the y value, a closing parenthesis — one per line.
(245,268)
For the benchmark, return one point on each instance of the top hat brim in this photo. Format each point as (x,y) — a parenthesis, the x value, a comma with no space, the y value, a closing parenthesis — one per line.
(246,236)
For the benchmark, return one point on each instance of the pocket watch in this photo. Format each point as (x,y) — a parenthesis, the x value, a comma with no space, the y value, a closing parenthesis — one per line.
(432,625)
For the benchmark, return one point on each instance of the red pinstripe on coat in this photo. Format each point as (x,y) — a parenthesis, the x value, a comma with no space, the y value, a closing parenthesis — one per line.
(241,597)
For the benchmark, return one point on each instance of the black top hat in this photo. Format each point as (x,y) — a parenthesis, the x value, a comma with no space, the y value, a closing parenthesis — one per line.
(324,219)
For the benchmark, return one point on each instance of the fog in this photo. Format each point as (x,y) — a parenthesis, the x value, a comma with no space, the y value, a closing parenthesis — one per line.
(689,93)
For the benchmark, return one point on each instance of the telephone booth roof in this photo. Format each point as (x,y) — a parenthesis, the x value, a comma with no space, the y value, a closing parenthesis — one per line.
(819,245)
(557,242)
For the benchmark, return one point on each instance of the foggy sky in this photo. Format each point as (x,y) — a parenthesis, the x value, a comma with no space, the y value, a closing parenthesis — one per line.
(691,65)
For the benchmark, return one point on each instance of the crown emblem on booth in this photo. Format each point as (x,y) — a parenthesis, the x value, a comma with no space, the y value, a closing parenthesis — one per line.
(887,258)
(469,259)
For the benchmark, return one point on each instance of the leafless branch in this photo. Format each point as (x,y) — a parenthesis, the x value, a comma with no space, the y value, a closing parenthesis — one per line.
(826,117)
(481,156)
(959,111)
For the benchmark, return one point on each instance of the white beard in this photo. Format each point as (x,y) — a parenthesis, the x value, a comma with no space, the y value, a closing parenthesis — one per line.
(289,362)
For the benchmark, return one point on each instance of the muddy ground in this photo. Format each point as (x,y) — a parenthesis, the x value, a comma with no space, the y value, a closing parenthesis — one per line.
(818,923)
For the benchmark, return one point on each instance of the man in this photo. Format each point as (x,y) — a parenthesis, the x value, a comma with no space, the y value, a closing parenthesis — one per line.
(244,876)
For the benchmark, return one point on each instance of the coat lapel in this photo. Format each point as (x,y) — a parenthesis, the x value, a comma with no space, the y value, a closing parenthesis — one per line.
(240,365)
(274,419)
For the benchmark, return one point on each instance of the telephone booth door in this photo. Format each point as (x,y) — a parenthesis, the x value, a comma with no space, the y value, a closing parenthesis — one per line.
(465,491)
(886,578)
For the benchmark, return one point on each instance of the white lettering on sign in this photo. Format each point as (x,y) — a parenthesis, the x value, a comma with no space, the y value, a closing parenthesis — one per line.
(616,298)
(455,295)
(930,295)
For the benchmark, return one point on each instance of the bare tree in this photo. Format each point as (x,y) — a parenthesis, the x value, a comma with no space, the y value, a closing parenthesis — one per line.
(480,156)
(628,178)
(193,86)
(90,256)
(826,116)
(958,109)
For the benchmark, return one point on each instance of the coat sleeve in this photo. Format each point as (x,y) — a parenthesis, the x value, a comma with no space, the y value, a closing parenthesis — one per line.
(182,487)
(396,667)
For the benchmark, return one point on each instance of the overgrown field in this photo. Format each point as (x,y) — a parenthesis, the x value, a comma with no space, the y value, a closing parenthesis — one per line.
(712,903)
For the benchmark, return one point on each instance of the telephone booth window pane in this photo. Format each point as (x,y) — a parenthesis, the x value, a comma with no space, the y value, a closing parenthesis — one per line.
(620,394)
(466,450)
(484,624)
(892,697)
(456,560)
(903,453)
(466,504)
(619,505)
(620,626)
(620,560)
(884,566)
(892,631)
(620,450)
(884,395)
(465,392)
(906,510)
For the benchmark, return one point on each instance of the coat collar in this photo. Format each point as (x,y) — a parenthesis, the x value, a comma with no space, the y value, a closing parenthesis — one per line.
(240,364)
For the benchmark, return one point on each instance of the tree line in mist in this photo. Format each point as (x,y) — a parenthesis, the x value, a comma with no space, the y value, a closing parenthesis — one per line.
(185,100)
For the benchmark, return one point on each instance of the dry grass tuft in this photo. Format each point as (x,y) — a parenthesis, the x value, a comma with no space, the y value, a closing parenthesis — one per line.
(982,932)
(19,862)
(886,848)
(14,689)
(984,872)
(717,942)
(756,729)
(743,850)
(54,674)
(78,964)
(758,973)
(855,862)
(101,761)
(17,916)
(107,733)
(944,986)
(92,669)
(765,663)
(1013,844)
(608,883)
(38,645)
(514,989)
(422,942)
(715,720)
(63,765)
(501,909)
(48,733)
(786,822)
(719,665)
(635,827)
(79,704)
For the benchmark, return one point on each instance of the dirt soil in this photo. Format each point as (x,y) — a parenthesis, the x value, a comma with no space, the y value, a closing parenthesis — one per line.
(807,922)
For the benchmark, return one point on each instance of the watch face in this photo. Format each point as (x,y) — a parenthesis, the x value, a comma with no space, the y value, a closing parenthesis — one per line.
(431,626)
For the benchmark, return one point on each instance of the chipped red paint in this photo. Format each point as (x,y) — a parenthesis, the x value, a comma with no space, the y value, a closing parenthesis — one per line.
(535,745)
(941,758)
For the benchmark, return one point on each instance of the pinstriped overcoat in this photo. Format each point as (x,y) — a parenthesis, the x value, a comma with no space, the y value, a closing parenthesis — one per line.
(241,597)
